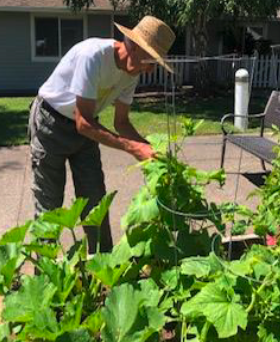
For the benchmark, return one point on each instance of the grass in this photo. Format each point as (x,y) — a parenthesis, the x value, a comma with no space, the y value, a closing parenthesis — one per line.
(148,115)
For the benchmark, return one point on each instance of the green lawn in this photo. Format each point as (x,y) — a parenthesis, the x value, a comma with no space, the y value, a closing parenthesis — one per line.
(149,115)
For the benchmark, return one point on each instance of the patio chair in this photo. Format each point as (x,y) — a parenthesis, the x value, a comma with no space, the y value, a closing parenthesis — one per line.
(259,146)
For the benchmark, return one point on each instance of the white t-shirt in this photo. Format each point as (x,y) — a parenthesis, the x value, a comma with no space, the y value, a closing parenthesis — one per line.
(88,70)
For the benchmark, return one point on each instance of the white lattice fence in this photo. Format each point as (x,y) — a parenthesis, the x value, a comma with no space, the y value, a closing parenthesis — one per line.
(266,72)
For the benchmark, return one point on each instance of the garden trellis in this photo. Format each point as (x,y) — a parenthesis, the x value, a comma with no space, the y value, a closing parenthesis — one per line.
(171,83)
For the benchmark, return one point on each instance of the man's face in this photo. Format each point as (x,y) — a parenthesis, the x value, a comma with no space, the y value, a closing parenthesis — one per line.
(139,61)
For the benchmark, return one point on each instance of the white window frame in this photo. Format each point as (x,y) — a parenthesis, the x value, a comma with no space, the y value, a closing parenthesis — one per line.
(60,17)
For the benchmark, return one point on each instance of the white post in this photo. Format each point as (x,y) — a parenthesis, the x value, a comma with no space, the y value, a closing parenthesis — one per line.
(241,100)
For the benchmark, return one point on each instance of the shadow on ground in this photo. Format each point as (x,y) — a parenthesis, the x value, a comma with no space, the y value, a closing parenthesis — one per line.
(10,166)
(258,179)
(209,108)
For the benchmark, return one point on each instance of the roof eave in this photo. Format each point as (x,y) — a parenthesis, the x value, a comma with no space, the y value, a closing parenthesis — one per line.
(51,9)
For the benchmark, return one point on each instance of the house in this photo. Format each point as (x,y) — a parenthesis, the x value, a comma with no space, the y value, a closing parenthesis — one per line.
(35,34)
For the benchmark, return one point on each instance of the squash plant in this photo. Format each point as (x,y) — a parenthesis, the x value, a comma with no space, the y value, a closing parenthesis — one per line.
(165,280)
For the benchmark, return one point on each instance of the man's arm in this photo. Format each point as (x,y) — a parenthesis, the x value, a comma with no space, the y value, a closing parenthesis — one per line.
(89,127)
(123,125)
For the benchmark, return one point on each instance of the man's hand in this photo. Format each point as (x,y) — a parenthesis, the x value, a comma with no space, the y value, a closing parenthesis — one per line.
(142,151)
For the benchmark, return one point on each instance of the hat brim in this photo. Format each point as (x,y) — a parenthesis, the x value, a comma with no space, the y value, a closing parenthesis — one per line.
(142,43)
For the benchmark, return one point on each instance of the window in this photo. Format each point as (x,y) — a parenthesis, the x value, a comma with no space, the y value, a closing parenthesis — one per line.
(53,37)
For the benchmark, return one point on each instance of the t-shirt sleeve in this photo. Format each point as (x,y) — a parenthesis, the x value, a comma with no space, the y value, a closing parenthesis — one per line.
(85,78)
(127,93)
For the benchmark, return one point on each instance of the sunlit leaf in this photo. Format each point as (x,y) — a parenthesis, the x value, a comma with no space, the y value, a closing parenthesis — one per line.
(66,217)
(98,213)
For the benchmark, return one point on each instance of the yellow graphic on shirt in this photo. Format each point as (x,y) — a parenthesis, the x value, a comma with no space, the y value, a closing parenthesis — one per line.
(103,95)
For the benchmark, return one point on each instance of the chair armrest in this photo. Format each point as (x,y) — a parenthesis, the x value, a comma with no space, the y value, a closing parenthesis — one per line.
(230,115)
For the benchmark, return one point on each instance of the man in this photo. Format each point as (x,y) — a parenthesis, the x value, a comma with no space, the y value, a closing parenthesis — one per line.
(64,116)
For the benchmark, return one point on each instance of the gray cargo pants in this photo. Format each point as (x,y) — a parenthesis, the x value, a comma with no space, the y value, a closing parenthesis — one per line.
(54,140)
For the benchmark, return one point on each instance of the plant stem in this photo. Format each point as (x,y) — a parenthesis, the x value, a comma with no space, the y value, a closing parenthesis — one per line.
(204,331)
(256,293)
(184,330)
(98,240)
(73,236)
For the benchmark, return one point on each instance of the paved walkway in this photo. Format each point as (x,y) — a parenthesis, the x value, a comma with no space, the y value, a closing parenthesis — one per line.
(202,152)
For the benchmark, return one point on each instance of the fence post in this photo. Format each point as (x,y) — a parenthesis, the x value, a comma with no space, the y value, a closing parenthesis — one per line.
(241,99)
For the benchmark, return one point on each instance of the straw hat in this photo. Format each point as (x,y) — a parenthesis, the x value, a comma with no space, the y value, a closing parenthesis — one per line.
(153,36)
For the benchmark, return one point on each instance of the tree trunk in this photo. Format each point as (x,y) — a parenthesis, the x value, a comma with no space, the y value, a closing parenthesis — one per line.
(200,44)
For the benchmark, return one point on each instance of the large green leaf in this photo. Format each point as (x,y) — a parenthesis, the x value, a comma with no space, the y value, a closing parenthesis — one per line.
(219,309)
(35,294)
(43,326)
(129,317)
(104,267)
(143,208)
(98,213)
(120,314)
(15,235)
(66,217)
(197,266)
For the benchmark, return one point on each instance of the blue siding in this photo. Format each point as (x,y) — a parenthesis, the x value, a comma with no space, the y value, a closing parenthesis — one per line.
(17,72)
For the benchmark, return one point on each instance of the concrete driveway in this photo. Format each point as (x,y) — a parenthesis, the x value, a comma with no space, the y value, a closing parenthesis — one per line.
(202,152)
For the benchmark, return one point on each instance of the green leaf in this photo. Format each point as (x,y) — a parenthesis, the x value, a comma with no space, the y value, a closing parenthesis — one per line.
(170,278)
(159,142)
(15,235)
(94,322)
(66,217)
(35,294)
(120,314)
(197,266)
(79,335)
(103,267)
(61,275)
(45,230)
(10,260)
(143,209)
(127,319)
(156,319)
(4,331)
(98,213)
(43,326)
(150,293)
(223,312)
(50,251)
(239,227)
(8,271)
(73,313)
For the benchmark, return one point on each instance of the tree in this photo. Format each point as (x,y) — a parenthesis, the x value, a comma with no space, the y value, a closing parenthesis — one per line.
(195,13)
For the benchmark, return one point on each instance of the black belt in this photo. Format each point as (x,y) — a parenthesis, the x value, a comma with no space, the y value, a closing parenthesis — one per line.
(45,105)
